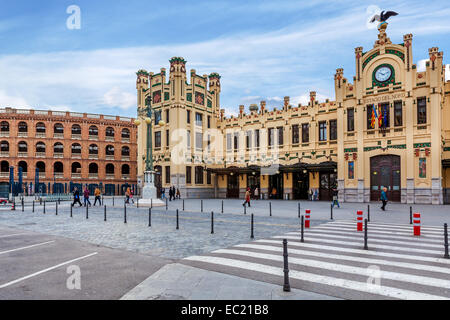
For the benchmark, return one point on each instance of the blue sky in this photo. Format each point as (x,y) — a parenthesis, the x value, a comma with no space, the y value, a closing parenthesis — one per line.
(264,50)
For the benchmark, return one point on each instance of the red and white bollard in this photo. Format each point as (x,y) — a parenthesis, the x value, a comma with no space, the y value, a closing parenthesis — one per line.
(307,218)
(359,221)
(416,223)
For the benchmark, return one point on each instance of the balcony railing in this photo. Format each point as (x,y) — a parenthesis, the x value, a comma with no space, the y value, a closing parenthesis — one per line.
(93,175)
(40,135)
(76,175)
(41,175)
(4,154)
(110,176)
(93,137)
(22,134)
(125,158)
(93,156)
(22,154)
(125,176)
(4,175)
(4,134)
(109,157)
(59,175)
(125,139)
(58,155)
(40,154)
(58,135)
(76,155)
(107,138)
(76,136)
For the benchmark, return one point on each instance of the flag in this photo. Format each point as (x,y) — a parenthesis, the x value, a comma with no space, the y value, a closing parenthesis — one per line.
(374,115)
(385,119)
(380,116)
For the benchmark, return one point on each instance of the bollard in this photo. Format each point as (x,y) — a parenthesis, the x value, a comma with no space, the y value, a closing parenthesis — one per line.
(33,206)
(104,210)
(212,222)
(446,255)
(183,204)
(201,204)
(87,212)
(416,224)
(410,215)
(252,235)
(359,221)
(298,210)
(331,212)
(245,209)
(286,286)
(59,200)
(56,208)
(102,201)
(368,212)
(23,205)
(178,224)
(270,208)
(307,218)
(365,235)
(149,217)
(151,203)
(44,205)
(302,229)
(222,206)
(71,211)
(167,204)
(40,201)
(124,213)
(113,202)
(13,206)
(137,203)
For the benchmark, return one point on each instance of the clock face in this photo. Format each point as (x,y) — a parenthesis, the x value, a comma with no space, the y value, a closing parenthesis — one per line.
(383,74)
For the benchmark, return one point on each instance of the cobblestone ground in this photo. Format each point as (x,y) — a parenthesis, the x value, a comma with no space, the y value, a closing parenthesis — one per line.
(162,239)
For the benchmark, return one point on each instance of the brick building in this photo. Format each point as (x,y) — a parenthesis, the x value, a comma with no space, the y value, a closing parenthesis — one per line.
(66,149)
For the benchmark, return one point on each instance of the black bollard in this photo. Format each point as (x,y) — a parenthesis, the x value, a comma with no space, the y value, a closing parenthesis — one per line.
(33,206)
(286,286)
(183,204)
(71,211)
(212,222)
(222,206)
(59,200)
(23,205)
(368,212)
(151,203)
(44,206)
(331,212)
(56,208)
(201,205)
(124,213)
(270,208)
(40,201)
(113,201)
(410,215)
(252,236)
(14,205)
(167,204)
(178,224)
(150,217)
(302,229)
(87,211)
(137,203)
(365,235)
(299,210)
(104,211)
(102,201)
(245,209)
(446,255)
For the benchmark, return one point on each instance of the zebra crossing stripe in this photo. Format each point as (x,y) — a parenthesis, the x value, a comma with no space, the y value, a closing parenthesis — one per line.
(354,239)
(409,278)
(375,235)
(359,251)
(408,265)
(355,243)
(314,278)
(380,232)
(379,227)
(384,224)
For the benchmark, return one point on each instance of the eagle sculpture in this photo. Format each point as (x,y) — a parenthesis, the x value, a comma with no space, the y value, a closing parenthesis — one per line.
(383,16)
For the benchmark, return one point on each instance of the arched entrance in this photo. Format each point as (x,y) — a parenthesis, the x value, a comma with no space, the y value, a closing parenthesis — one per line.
(385,172)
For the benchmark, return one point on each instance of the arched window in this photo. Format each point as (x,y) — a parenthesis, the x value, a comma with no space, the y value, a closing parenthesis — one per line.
(125,151)
(58,128)
(125,169)
(40,147)
(109,150)
(40,127)
(4,146)
(93,168)
(41,166)
(4,126)
(93,131)
(76,167)
(23,127)
(126,133)
(76,129)
(109,132)
(58,148)
(4,166)
(76,148)
(110,168)
(24,166)
(23,147)
(58,167)
(93,149)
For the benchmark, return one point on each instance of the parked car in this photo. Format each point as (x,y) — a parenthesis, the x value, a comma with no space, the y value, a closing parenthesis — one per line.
(3,201)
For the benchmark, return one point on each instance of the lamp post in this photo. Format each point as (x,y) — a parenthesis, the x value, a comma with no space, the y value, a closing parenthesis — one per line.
(149,191)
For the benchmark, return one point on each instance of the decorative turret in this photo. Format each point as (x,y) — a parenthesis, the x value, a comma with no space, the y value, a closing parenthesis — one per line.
(286,103)
(312,98)
(222,114)
(339,84)
(253,108)
(177,78)
(407,42)
(263,106)
(383,39)
(177,64)
(141,86)
(358,56)
(241,111)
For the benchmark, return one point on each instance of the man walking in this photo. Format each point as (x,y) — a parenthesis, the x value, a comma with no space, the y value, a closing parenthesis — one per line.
(97,194)
(335,198)
(384,198)
(86,197)
(76,197)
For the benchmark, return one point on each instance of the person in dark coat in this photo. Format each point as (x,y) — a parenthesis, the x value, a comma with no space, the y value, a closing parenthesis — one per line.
(384,199)
(76,197)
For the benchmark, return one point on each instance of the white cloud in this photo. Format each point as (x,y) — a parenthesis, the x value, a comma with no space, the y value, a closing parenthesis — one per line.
(11,101)
(119,98)
(422,65)
(447,72)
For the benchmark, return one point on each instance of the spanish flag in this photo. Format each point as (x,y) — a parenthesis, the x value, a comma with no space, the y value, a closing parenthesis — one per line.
(380,116)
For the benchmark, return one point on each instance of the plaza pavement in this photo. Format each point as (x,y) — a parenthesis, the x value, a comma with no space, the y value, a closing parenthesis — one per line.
(179,254)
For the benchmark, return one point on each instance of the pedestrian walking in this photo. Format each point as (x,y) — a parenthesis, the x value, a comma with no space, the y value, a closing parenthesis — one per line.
(86,197)
(127,195)
(256,193)
(247,197)
(163,193)
(384,198)
(174,196)
(97,195)
(170,193)
(131,196)
(76,197)
(335,198)
(178,194)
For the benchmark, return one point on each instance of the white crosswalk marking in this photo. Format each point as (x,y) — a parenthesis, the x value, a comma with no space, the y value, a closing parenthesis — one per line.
(332,261)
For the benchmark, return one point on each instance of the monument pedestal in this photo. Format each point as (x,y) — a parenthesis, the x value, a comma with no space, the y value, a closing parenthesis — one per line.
(149,194)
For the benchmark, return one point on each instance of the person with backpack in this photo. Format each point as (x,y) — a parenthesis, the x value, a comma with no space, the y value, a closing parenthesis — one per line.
(86,197)
(76,197)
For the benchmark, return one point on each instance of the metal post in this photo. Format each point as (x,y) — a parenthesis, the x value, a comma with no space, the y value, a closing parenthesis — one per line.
(270,208)
(286,286)
(178,224)
(252,236)
(124,213)
(113,201)
(104,213)
(201,204)
(410,215)
(331,211)
(40,201)
(167,204)
(302,229)
(245,209)
(212,222)
(368,212)
(446,255)
(137,203)
(44,205)
(87,211)
(59,200)
(222,206)
(150,217)
(183,204)
(33,206)
(151,203)
(56,208)
(365,235)
(71,206)
(299,209)
(22,205)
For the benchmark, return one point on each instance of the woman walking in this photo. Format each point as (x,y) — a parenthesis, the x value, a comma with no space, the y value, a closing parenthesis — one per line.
(86,197)
(384,199)
(247,197)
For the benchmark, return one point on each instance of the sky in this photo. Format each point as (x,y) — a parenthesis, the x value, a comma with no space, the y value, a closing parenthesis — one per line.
(264,50)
